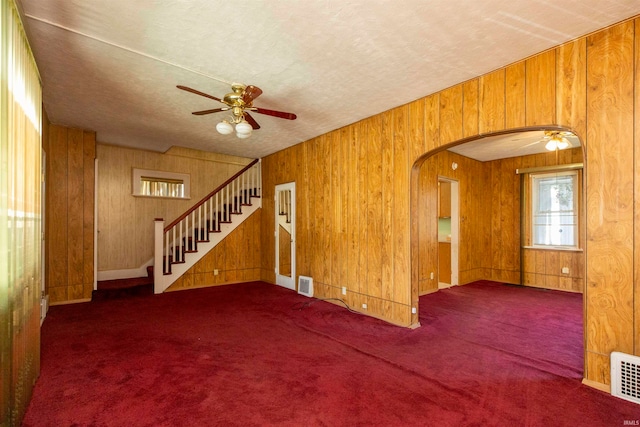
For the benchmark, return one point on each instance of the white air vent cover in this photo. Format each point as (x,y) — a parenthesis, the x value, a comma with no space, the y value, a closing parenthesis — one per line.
(305,286)
(625,376)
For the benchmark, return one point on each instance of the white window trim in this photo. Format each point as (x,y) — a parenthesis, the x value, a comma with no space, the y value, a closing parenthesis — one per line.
(533,193)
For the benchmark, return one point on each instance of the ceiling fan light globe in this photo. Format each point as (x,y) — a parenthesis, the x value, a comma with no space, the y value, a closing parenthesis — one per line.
(243,135)
(224,127)
(243,128)
(563,143)
(551,145)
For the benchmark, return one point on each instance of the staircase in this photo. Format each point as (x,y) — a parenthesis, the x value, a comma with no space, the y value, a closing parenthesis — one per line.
(181,244)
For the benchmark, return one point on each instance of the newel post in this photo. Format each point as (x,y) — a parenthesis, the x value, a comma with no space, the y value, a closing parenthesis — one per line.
(158,267)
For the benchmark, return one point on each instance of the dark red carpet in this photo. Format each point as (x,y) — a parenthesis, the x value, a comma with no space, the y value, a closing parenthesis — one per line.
(256,354)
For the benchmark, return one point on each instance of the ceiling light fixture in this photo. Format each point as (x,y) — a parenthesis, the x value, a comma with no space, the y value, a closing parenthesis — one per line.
(242,127)
(557,142)
(224,127)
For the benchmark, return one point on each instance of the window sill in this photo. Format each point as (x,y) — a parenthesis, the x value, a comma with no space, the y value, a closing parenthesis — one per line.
(144,196)
(554,248)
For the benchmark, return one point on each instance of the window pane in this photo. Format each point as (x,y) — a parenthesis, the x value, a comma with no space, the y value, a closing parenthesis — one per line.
(555,194)
(554,216)
(161,187)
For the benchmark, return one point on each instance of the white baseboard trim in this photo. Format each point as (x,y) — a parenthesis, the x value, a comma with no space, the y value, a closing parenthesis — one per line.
(126,273)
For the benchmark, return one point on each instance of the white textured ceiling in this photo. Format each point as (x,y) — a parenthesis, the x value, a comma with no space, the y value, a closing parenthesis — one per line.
(113,66)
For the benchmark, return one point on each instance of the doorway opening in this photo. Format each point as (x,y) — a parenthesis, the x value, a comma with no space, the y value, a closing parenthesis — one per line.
(448,231)
(488,170)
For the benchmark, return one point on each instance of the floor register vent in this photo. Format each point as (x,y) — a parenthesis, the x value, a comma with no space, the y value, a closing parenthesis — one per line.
(625,376)
(305,286)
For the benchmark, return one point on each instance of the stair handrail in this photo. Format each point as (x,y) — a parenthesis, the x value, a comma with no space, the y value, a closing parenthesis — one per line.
(210,195)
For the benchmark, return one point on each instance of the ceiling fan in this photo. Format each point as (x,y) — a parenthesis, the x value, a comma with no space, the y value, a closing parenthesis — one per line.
(239,102)
(553,140)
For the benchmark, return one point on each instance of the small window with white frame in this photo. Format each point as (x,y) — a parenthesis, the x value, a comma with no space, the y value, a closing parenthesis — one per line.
(151,183)
(554,210)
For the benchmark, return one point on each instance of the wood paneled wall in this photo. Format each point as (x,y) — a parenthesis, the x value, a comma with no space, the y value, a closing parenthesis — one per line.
(506,226)
(543,269)
(70,214)
(352,212)
(356,226)
(475,218)
(125,222)
(505,221)
(636,197)
(610,122)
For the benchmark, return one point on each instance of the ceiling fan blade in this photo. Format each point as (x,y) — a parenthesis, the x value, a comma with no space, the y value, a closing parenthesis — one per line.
(280,114)
(539,141)
(251,121)
(203,112)
(250,93)
(197,92)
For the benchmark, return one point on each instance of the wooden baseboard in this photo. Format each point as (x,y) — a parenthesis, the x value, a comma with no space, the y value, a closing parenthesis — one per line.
(212,285)
(597,385)
(73,301)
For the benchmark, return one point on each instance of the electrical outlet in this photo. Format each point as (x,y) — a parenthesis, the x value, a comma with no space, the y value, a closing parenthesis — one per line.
(344,290)
(565,270)
(413,310)
(432,275)
(364,306)
(215,272)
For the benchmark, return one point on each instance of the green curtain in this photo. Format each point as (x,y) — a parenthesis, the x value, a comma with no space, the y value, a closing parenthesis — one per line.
(20,217)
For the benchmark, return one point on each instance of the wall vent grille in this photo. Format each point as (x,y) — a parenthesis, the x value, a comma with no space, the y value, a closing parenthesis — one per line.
(305,286)
(625,376)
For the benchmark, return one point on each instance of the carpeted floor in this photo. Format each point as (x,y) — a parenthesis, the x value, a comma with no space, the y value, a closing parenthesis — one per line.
(256,354)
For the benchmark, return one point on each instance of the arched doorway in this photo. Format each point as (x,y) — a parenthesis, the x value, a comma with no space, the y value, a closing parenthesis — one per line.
(514,149)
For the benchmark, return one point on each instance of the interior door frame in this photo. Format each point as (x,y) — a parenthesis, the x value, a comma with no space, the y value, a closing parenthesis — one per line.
(286,281)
